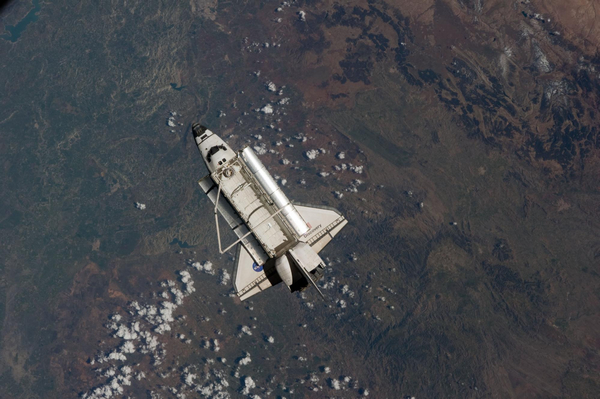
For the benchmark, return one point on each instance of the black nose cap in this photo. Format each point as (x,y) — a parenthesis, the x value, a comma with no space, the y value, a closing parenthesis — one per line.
(198,129)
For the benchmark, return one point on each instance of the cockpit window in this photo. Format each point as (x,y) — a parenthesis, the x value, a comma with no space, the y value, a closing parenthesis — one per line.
(214,150)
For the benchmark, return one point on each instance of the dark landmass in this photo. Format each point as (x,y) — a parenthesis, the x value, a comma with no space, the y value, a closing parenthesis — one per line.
(473,246)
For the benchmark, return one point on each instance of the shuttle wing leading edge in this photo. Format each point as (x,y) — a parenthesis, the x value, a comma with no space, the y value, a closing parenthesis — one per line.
(249,278)
(325,223)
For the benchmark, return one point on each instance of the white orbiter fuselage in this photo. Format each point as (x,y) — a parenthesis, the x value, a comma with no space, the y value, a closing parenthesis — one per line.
(277,240)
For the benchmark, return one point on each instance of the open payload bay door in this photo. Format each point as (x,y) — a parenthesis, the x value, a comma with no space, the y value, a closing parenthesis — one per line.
(249,278)
(325,223)
(249,242)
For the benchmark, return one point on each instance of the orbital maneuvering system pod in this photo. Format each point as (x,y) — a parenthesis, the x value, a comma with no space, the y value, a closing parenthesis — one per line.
(277,240)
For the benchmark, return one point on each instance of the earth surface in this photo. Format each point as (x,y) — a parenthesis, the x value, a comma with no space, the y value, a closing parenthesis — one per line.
(460,138)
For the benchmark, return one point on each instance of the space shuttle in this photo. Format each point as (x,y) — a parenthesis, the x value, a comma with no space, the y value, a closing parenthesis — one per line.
(277,241)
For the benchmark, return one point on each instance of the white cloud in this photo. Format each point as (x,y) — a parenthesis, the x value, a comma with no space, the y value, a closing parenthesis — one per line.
(267,109)
(188,378)
(260,149)
(206,267)
(185,276)
(244,360)
(116,317)
(248,385)
(311,154)
(356,168)
(245,330)
(178,295)
(128,347)
(225,277)
(335,384)
(126,333)
(271,86)
(114,355)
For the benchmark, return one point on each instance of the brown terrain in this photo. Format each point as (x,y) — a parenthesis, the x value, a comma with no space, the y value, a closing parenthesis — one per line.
(473,249)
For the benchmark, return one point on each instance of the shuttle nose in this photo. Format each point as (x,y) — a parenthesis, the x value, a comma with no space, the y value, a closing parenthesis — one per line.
(201,133)
(214,150)
(198,129)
